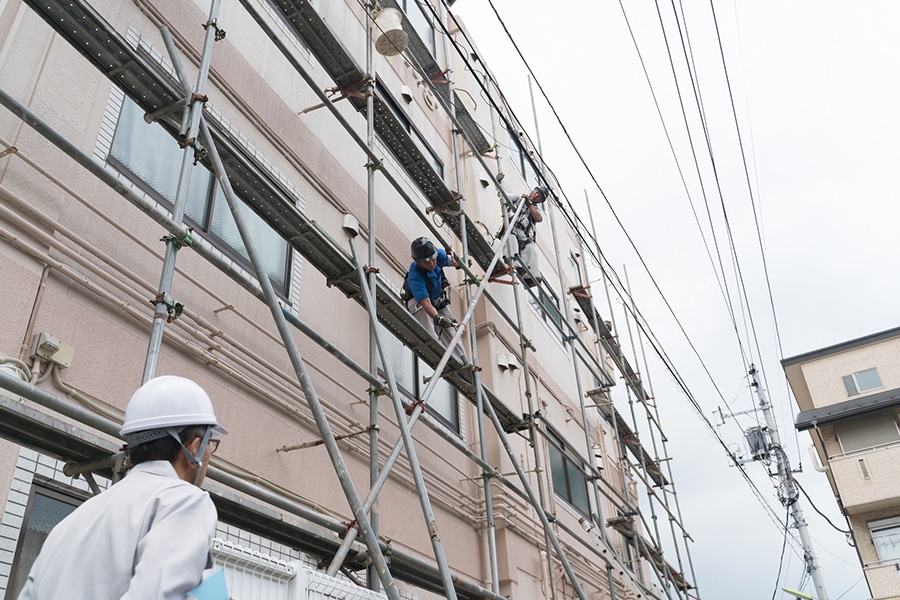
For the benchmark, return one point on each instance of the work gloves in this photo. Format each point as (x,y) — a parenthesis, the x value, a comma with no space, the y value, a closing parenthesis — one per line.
(444,322)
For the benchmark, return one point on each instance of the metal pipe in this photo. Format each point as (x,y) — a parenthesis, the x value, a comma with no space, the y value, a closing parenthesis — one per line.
(473,338)
(162,307)
(373,282)
(239,276)
(534,501)
(334,452)
(413,459)
(664,574)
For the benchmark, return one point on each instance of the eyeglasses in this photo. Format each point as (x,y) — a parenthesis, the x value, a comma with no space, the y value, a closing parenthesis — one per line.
(213,445)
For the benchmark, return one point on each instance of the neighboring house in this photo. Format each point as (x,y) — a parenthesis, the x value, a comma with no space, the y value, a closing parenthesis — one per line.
(849,398)
(80,262)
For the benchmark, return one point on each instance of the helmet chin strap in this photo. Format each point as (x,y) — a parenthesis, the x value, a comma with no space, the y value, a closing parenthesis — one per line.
(198,458)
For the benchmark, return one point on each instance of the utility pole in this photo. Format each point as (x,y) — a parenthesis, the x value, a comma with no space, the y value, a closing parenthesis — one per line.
(765,444)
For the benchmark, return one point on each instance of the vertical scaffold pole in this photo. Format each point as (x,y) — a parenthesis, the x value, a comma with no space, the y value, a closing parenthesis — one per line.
(414,466)
(371,579)
(164,303)
(473,340)
(570,341)
(654,418)
(309,392)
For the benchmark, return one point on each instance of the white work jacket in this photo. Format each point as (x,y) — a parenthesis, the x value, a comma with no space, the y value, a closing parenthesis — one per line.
(145,538)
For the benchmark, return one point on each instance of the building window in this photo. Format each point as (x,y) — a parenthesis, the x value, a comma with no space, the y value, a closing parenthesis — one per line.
(411,374)
(420,18)
(149,156)
(417,139)
(567,471)
(545,302)
(886,538)
(519,157)
(862,381)
(867,432)
(45,509)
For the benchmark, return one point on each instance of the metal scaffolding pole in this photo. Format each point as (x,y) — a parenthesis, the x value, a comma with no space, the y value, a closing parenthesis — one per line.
(651,422)
(105,425)
(523,479)
(473,342)
(250,285)
(414,466)
(166,308)
(666,575)
(371,578)
(334,452)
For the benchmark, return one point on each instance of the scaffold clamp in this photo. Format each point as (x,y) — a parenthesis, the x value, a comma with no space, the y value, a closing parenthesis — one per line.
(413,406)
(220,33)
(186,240)
(174,309)
(348,527)
(379,391)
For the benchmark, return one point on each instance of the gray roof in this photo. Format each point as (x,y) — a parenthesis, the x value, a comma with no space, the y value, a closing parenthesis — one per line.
(846,410)
(843,346)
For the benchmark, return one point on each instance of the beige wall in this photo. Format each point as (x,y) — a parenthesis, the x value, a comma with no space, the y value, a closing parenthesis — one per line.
(823,376)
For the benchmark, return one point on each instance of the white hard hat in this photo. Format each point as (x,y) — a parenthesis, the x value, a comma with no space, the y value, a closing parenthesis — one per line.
(169,401)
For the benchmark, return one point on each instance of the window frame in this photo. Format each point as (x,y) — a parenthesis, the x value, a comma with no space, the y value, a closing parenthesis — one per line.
(547,298)
(853,380)
(430,39)
(889,524)
(209,207)
(418,366)
(48,489)
(418,139)
(570,458)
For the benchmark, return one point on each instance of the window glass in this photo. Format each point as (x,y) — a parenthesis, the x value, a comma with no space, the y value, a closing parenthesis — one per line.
(272,248)
(519,157)
(867,432)
(410,373)
(420,18)
(867,380)
(886,537)
(401,360)
(567,474)
(547,306)
(443,398)
(148,153)
(154,157)
(46,510)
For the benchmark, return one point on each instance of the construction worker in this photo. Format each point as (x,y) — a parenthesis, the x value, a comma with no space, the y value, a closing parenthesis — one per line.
(425,292)
(521,240)
(148,536)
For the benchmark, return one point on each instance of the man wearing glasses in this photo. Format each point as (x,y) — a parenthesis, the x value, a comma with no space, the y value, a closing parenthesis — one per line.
(149,535)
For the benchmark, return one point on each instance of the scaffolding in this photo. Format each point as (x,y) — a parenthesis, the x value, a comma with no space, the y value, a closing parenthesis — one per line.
(169,98)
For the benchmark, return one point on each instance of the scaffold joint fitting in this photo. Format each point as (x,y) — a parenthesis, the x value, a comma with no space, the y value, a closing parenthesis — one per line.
(180,242)
(413,405)
(348,527)
(174,309)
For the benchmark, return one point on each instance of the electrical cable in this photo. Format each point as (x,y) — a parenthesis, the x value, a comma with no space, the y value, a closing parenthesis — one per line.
(821,514)
(620,289)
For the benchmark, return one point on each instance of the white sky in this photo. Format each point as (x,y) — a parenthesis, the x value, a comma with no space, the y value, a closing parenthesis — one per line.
(816,93)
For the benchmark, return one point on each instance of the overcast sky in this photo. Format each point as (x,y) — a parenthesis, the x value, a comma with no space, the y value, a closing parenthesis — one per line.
(815,90)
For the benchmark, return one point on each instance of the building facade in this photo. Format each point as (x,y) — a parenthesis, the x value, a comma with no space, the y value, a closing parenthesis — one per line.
(121,260)
(849,398)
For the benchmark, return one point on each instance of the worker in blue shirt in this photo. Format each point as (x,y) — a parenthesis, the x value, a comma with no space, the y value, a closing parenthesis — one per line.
(425,292)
